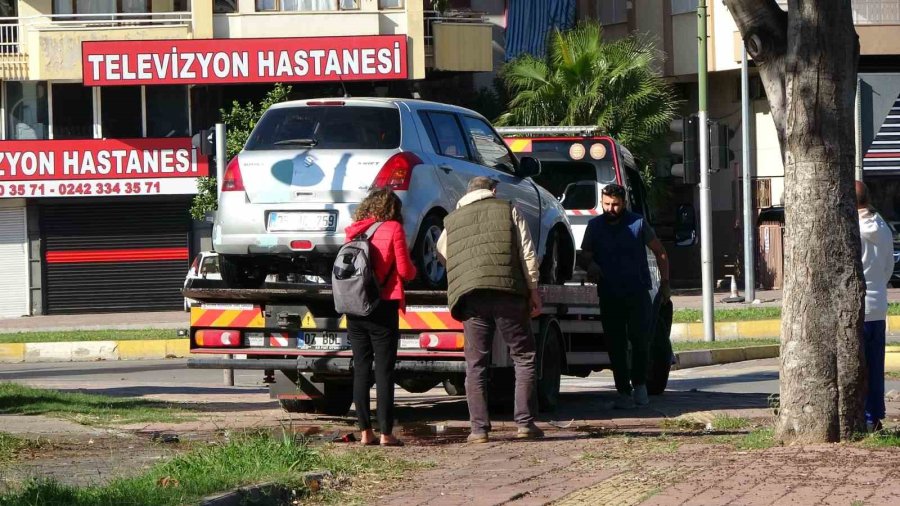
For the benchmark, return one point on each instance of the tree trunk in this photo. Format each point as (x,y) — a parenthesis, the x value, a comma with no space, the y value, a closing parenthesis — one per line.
(807,60)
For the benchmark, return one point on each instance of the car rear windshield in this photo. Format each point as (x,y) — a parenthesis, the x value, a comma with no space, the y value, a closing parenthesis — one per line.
(326,127)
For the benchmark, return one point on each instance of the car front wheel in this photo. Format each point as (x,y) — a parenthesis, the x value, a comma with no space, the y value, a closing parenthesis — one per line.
(432,274)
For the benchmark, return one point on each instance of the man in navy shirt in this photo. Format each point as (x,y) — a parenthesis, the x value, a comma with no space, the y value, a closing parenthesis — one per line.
(613,254)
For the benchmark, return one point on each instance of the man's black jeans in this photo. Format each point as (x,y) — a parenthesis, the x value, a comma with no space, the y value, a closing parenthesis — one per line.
(628,318)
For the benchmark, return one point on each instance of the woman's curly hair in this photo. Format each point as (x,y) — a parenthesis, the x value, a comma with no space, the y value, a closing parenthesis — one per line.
(382,204)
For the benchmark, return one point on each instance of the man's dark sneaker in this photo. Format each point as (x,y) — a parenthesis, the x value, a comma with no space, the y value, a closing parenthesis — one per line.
(532,431)
(477,437)
(624,401)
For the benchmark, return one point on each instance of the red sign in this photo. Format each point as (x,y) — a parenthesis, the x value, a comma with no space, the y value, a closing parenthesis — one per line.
(218,61)
(99,167)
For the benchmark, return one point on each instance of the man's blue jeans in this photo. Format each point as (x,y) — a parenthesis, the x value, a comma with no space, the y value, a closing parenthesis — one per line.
(873,343)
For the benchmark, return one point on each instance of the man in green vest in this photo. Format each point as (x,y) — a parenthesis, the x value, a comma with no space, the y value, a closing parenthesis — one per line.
(492,276)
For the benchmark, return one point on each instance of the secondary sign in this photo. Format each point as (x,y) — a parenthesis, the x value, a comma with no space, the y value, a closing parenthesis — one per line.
(92,167)
(231,61)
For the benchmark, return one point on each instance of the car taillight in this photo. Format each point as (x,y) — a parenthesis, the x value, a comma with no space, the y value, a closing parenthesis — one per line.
(233,181)
(442,341)
(397,171)
(213,338)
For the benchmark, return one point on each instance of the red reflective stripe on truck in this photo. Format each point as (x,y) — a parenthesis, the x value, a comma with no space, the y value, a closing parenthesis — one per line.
(116,255)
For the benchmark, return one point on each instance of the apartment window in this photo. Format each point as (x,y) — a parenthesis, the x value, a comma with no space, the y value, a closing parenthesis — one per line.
(611,12)
(390,4)
(167,111)
(224,6)
(73,111)
(684,6)
(306,5)
(118,6)
(26,110)
(121,112)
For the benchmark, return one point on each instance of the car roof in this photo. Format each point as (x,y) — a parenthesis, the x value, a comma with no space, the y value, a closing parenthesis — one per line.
(413,104)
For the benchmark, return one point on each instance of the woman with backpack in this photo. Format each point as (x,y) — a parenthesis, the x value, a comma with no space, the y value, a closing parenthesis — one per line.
(378,333)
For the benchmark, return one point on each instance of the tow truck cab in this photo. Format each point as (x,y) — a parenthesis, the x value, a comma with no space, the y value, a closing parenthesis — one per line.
(575,165)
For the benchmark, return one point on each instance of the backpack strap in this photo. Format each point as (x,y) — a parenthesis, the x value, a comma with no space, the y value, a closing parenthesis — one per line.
(370,232)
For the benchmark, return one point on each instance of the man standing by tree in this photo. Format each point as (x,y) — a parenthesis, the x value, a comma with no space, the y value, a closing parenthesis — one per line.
(878,265)
(614,257)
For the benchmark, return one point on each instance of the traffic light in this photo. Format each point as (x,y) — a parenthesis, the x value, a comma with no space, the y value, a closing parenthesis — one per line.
(205,141)
(686,151)
(720,155)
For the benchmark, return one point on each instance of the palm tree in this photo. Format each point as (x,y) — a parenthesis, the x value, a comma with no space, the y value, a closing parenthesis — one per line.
(586,81)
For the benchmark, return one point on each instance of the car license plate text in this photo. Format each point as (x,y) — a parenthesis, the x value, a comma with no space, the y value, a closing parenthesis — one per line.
(323,341)
(302,222)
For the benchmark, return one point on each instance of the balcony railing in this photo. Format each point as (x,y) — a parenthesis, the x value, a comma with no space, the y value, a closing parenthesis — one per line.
(870,12)
(13,30)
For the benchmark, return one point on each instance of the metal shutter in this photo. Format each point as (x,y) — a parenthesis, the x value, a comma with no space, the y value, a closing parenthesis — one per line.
(118,256)
(14,264)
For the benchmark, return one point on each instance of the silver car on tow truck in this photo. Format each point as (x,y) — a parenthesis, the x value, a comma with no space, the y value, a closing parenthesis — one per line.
(288,195)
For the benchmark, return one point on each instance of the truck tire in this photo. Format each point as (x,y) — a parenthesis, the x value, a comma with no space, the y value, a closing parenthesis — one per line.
(455,386)
(550,366)
(418,385)
(660,352)
(337,399)
(240,273)
(297,405)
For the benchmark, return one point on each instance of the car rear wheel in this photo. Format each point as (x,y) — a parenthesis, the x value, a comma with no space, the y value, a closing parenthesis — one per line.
(432,274)
(239,272)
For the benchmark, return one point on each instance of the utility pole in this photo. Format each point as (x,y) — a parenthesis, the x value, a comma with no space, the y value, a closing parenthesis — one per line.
(749,264)
(228,374)
(706,267)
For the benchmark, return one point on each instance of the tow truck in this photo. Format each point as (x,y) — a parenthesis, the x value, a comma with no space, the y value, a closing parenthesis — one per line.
(292,334)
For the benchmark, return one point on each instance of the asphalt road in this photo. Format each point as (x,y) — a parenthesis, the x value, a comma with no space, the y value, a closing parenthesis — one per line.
(161,378)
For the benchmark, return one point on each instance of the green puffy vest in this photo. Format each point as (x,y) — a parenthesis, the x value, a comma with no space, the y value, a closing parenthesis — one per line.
(482,252)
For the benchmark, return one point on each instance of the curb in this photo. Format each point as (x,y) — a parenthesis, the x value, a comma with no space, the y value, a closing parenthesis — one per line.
(89,351)
(701,358)
(752,329)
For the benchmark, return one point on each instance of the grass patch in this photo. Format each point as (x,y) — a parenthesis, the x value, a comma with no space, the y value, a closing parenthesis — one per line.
(894,308)
(725,422)
(759,439)
(11,445)
(726,343)
(89,335)
(889,438)
(88,409)
(728,315)
(681,424)
(246,459)
(894,375)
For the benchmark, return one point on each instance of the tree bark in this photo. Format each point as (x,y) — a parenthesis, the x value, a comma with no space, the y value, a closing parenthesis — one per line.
(807,59)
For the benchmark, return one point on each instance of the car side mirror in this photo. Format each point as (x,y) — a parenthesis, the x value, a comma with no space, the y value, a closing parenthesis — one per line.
(529,167)
(685,226)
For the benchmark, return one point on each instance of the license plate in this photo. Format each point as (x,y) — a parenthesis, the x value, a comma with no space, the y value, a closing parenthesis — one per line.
(323,341)
(409,342)
(302,222)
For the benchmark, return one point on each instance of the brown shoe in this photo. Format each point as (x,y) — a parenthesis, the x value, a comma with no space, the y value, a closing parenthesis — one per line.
(532,431)
(477,438)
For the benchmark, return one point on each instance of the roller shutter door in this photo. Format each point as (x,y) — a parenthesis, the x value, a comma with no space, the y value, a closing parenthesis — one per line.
(114,256)
(13,263)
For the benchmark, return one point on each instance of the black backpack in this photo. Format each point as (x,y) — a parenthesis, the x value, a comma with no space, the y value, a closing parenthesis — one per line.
(353,284)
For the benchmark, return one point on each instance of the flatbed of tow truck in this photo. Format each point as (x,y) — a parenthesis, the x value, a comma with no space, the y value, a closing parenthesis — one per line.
(292,333)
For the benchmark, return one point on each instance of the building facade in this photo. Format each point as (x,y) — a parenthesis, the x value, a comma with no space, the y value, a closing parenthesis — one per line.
(674,28)
(100,98)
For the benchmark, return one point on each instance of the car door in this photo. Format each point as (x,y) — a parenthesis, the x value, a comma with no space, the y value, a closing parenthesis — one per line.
(492,154)
(452,154)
